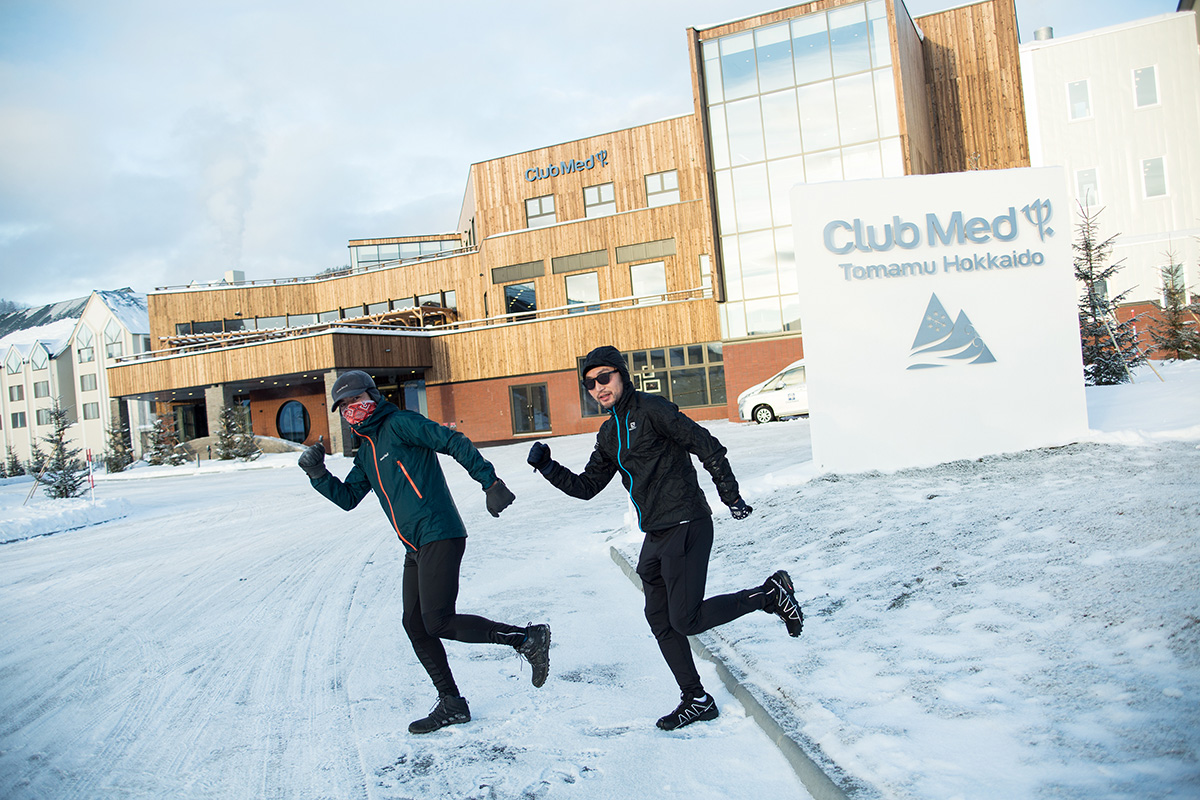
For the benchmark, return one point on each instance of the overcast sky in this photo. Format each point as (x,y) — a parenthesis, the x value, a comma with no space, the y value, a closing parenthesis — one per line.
(147,143)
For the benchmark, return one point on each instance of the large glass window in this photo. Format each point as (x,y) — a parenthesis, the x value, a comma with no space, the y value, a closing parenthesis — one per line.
(292,421)
(520,299)
(599,201)
(583,288)
(1145,87)
(13,363)
(530,408)
(1079,100)
(804,101)
(38,359)
(649,280)
(539,211)
(689,376)
(1154,177)
(662,188)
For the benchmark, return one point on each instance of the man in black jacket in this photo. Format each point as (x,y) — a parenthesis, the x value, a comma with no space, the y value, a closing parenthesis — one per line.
(650,443)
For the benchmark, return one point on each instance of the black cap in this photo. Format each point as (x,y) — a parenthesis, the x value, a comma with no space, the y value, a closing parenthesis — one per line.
(352,384)
(606,356)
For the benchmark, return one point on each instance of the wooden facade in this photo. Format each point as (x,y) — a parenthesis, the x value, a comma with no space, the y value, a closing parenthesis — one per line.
(973,71)
(958,94)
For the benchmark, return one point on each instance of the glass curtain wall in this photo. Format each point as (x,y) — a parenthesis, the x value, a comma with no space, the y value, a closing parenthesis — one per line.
(803,101)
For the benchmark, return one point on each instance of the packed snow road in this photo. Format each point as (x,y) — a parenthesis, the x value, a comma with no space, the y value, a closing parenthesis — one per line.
(235,635)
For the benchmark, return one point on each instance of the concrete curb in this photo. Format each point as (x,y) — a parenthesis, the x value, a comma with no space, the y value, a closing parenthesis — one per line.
(818,783)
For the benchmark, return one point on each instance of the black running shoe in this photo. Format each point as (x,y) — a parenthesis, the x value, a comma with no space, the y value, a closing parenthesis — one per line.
(693,709)
(782,602)
(447,711)
(536,651)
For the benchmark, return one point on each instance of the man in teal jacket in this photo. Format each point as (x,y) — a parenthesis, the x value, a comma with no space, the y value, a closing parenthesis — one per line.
(397,459)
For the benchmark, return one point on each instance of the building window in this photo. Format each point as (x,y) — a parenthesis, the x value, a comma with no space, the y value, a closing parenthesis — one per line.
(583,288)
(41,389)
(38,359)
(520,299)
(662,188)
(1079,100)
(1145,87)
(87,383)
(113,348)
(292,421)
(539,211)
(530,408)
(599,201)
(649,280)
(42,416)
(13,364)
(83,346)
(91,411)
(689,376)
(16,393)
(1087,190)
(18,419)
(1154,177)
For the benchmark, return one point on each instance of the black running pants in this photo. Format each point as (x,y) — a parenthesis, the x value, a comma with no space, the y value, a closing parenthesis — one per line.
(430,589)
(673,567)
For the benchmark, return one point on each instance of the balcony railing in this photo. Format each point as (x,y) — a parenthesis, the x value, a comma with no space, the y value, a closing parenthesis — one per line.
(423,321)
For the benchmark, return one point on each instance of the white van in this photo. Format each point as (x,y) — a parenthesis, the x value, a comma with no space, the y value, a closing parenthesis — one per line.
(784,394)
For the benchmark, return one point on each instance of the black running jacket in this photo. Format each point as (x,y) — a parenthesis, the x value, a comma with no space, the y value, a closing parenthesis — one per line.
(650,442)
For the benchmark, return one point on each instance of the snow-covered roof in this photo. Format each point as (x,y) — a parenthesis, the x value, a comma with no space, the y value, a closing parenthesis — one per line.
(54,336)
(129,307)
(29,318)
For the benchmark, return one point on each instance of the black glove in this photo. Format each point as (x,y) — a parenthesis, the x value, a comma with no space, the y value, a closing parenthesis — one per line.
(539,457)
(498,498)
(739,509)
(312,461)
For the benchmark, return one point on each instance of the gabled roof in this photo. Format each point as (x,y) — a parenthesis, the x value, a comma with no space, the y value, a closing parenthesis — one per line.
(129,307)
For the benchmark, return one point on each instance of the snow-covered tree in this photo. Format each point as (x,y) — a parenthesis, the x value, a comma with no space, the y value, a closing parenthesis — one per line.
(118,454)
(164,444)
(233,440)
(1173,334)
(12,464)
(1110,347)
(37,459)
(65,472)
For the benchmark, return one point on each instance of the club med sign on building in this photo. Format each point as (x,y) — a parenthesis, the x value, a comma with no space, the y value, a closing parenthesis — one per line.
(939,317)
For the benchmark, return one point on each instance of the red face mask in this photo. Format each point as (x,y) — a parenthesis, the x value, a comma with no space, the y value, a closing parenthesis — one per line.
(357,412)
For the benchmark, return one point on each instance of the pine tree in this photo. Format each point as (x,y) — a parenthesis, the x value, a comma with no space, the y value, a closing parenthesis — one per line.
(3,470)
(233,440)
(37,460)
(13,465)
(1173,335)
(118,454)
(163,444)
(65,472)
(1110,348)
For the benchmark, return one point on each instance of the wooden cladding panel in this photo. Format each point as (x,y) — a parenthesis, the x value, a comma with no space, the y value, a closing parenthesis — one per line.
(551,346)
(972,68)
(501,188)
(916,129)
(686,223)
(782,15)
(306,354)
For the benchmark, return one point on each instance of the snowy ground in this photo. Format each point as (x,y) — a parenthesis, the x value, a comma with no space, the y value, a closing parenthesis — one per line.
(1025,625)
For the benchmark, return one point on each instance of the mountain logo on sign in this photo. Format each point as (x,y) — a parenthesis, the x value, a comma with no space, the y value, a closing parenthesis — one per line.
(940,343)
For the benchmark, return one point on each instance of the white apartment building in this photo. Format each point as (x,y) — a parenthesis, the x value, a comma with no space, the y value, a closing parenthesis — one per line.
(1119,107)
(70,364)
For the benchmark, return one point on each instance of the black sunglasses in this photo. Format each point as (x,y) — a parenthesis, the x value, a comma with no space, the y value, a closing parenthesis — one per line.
(603,378)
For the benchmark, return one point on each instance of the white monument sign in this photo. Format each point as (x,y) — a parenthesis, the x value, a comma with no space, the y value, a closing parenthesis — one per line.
(939,316)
